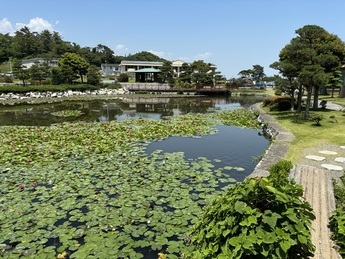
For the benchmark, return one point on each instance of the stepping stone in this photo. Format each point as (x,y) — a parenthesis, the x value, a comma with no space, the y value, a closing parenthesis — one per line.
(332,167)
(342,147)
(327,152)
(316,158)
(340,159)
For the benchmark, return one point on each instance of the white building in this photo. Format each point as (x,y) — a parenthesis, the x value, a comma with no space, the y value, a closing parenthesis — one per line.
(52,62)
(130,67)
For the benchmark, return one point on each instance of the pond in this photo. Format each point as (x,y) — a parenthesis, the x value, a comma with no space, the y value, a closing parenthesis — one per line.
(118,109)
(107,191)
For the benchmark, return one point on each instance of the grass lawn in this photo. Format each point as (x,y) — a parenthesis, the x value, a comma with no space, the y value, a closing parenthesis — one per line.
(307,134)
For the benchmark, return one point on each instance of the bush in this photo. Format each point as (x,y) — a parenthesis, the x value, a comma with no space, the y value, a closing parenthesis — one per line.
(337,220)
(258,218)
(278,92)
(278,103)
(123,77)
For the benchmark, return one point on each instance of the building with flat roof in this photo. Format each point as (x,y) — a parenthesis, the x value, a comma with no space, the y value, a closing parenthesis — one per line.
(52,62)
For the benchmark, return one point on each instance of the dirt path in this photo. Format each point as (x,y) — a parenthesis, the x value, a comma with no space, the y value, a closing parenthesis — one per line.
(318,191)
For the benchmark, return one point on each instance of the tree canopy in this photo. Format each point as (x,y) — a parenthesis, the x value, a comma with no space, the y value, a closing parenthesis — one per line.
(311,57)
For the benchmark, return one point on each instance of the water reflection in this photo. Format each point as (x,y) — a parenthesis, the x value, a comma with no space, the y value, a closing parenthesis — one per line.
(119,109)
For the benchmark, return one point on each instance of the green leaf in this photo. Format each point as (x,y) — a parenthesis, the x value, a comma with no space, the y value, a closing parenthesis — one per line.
(285,245)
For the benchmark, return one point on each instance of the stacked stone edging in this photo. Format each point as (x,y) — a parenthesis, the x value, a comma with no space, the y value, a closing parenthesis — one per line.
(278,147)
(28,97)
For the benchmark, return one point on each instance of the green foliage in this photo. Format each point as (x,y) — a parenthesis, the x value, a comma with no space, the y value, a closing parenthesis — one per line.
(279,172)
(123,77)
(144,56)
(258,218)
(278,103)
(93,76)
(317,118)
(75,62)
(44,88)
(337,220)
(278,92)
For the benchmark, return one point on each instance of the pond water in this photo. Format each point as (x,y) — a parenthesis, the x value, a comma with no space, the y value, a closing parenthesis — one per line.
(118,109)
(155,192)
(231,147)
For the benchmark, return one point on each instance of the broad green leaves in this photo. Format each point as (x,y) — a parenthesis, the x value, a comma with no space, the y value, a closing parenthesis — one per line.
(90,189)
(255,219)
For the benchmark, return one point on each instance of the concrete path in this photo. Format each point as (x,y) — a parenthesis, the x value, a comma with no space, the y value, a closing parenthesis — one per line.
(318,191)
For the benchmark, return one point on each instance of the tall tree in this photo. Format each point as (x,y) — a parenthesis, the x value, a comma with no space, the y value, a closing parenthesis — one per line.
(335,81)
(93,76)
(202,73)
(20,72)
(186,73)
(314,53)
(77,64)
(25,43)
(5,47)
(290,72)
(258,73)
(167,73)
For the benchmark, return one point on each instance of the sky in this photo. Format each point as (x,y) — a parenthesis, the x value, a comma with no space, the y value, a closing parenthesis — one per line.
(232,34)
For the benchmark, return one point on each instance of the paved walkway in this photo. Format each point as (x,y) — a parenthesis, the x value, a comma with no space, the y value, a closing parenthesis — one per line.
(316,182)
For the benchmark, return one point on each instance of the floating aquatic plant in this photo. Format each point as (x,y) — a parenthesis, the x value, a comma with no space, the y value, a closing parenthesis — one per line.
(90,189)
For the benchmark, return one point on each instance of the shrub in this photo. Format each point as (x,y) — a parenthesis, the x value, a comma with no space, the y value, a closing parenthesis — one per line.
(278,103)
(278,92)
(337,220)
(258,218)
(123,77)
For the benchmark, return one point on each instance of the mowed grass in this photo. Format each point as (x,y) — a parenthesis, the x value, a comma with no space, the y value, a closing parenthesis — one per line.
(308,134)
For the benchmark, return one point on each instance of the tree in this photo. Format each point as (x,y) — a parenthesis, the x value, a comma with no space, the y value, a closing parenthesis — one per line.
(38,71)
(290,85)
(202,73)
(314,54)
(63,75)
(77,64)
(186,73)
(145,56)
(258,73)
(20,72)
(335,81)
(167,73)
(25,43)
(5,47)
(93,76)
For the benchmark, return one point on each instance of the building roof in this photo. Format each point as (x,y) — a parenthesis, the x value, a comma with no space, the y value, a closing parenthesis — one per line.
(147,70)
(147,63)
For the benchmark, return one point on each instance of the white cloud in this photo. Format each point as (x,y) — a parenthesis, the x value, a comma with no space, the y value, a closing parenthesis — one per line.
(120,50)
(35,25)
(6,26)
(38,25)
(206,56)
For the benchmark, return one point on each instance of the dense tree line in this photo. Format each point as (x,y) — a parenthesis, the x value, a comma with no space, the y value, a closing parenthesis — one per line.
(26,44)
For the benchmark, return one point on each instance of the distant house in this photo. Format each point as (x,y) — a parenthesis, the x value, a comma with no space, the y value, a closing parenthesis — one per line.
(52,62)
(135,69)
(110,69)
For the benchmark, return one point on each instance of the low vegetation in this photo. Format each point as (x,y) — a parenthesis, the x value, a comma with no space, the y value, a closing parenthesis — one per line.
(261,218)
(337,220)
(72,189)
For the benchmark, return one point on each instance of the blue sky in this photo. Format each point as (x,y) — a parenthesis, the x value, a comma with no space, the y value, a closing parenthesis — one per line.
(234,35)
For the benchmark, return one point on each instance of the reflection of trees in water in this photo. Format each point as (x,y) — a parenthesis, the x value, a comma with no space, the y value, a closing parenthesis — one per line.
(107,110)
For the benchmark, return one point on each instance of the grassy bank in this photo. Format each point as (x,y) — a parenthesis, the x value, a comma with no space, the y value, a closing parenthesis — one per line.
(308,134)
